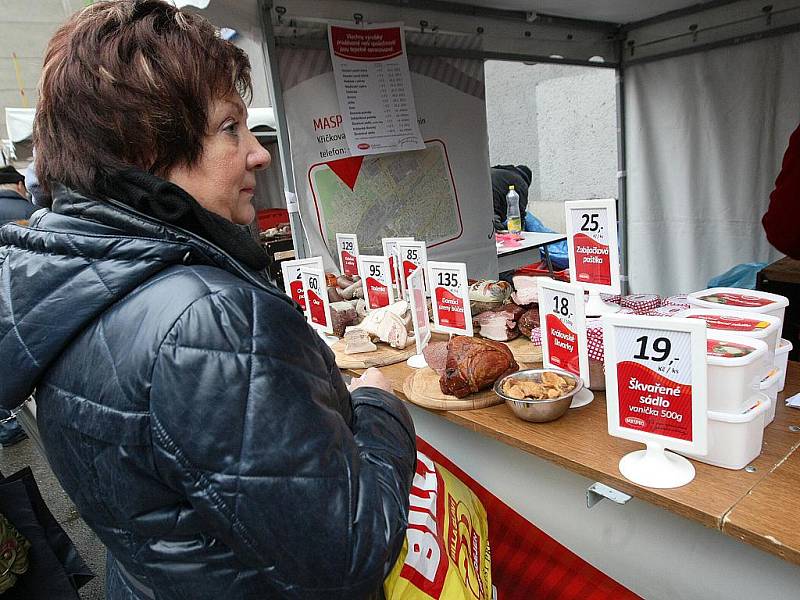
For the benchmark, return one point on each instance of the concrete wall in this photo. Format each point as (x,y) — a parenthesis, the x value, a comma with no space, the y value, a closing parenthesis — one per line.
(559,120)
(25,28)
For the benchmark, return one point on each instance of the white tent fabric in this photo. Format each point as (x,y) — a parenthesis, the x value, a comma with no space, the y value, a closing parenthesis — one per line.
(19,123)
(706,135)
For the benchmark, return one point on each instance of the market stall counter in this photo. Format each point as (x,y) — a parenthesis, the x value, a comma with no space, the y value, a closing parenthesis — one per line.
(757,505)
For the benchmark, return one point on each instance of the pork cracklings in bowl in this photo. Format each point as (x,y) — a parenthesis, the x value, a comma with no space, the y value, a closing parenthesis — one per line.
(538,395)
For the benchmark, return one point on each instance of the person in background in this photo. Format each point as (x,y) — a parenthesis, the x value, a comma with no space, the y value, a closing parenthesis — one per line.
(520,177)
(504,176)
(199,424)
(14,205)
(39,196)
(783,214)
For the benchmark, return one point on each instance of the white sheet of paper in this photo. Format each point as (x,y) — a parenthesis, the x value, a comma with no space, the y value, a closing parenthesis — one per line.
(373,84)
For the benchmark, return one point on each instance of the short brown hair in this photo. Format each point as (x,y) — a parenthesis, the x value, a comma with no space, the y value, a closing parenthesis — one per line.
(128,83)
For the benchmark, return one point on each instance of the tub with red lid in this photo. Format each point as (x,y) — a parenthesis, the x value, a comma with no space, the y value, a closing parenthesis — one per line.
(740,300)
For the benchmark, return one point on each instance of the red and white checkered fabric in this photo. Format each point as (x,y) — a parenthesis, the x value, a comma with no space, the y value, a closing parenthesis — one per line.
(681,300)
(625,311)
(594,342)
(666,311)
(536,336)
(641,304)
(611,298)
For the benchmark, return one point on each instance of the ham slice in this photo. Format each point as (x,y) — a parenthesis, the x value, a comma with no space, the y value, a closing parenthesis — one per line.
(474,364)
(435,354)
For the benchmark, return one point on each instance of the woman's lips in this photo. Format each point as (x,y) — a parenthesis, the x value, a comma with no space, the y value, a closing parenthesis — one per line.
(248,190)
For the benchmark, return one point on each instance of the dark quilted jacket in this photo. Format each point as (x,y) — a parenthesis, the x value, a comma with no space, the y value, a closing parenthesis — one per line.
(201,427)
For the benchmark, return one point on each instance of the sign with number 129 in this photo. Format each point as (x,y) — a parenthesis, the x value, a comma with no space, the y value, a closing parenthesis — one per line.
(450,297)
(347,248)
(656,380)
(563,322)
(376,278)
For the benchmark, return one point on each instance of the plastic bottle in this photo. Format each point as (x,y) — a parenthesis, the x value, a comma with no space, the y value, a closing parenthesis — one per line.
(512,202)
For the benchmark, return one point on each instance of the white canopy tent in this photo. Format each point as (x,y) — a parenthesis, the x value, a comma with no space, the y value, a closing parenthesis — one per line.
(699,148)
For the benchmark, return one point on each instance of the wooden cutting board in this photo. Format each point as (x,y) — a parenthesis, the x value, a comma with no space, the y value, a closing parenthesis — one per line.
(383,356)
(422,387)
(524,351)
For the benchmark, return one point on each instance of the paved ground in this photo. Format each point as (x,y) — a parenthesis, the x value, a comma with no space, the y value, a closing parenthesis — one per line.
(93,552)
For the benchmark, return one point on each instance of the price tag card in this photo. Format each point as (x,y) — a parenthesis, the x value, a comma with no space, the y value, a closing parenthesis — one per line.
(419,309)
(318,311)
(593,245)
(563,322)
(291,277)
(413,255)
(347,247)
(376,278)
(390,252)
(450,294)
(656,387)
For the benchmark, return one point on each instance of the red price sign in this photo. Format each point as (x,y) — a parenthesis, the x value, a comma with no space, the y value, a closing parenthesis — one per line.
(656,380)
(450,294)
(318,310)
(291,277)
(376,279)
(347,245)
(413,255)
(563,322)
(592,242)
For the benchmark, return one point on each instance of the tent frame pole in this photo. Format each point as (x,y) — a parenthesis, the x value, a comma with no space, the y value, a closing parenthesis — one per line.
(622,182)
(273,77)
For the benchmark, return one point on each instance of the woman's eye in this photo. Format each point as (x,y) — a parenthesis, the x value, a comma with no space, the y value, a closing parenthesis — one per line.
(231,127)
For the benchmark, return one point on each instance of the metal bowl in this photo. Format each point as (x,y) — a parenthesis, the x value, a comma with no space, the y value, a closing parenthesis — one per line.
(539,411)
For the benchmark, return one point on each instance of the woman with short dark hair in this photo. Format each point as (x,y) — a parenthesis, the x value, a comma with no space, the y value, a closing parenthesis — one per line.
(200,426)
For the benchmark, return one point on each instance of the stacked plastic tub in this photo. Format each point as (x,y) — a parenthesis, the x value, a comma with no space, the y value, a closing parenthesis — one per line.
(743,380)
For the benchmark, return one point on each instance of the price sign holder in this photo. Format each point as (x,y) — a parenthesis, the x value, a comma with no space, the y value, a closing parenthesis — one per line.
(376,279)
(347,249)
(563,323)
(450,295)
(318,311)
(390,251)
(656,393)
(420,318)
(594,251)
(413,255)
(292,282)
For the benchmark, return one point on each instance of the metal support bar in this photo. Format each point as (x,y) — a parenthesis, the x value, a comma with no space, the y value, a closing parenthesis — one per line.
(622,183)
(598,491)
(273,77)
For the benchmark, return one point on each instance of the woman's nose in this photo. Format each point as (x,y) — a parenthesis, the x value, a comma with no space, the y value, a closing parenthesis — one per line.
(258,158)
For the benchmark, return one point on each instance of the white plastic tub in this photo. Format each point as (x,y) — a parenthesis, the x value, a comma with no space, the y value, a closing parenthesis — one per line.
(736,367)
(782,360)
(754,326)
(741,300)
(734,439)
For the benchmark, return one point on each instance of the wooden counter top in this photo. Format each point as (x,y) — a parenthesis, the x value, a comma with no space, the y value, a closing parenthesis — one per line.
(580,442)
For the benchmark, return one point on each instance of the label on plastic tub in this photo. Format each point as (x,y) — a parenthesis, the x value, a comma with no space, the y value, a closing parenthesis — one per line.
(739,300)
(724,323)
(727,349)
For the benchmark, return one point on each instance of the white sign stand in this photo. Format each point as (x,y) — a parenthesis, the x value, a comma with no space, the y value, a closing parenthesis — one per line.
(390,252)
(292,282)
(594,251)
(413,255)
(347,249)
(318,310)
(376,279)
(420,318)
(656,393)
(563,323)
(450,298)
